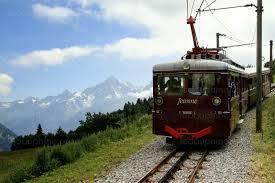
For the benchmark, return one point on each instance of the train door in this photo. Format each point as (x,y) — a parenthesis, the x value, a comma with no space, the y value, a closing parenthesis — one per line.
(234,101)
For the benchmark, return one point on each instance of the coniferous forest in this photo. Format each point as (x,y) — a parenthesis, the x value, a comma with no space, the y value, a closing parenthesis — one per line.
(93,123)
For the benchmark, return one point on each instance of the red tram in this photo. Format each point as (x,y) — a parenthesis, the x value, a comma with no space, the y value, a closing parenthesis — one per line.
(202,98)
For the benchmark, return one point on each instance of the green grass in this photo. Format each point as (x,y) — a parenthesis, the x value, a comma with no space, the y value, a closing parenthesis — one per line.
(95,164)
(86,159)
(9,161)
(274,78)
(264,144)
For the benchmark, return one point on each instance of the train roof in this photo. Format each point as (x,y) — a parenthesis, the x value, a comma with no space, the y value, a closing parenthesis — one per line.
(205,65)
(252,71)
(197,65)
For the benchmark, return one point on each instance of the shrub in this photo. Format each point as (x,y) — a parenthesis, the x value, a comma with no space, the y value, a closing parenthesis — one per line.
(20,174)
(89,143)
(50,158)
(74,151)
(60,156)
(42,163)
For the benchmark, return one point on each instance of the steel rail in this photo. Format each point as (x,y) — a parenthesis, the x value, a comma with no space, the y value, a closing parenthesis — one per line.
(197,168)
(156,168)
(174,168)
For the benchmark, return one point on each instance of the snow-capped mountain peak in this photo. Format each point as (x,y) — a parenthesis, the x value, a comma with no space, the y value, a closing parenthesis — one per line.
(67,108)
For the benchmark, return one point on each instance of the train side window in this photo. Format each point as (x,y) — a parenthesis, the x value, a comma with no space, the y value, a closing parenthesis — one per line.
(250,84)
(233,86)
(246,84)
(254,82)
(237,80)
(171,85)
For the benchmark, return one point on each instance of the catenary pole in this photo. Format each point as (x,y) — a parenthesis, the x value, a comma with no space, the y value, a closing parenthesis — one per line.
(271,62)
(259,68)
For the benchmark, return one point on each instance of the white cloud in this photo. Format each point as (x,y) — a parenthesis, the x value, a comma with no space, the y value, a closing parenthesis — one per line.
(133,48)
(84,3)
(169,33)
(53,14)
(54,56)
(142,94)
(5,82)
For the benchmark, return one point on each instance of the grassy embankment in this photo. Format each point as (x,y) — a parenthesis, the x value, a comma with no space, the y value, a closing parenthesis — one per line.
(10,161)
(264,156)
(83,160)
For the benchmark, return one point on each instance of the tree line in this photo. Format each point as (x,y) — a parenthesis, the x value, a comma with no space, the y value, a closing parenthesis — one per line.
(93,123)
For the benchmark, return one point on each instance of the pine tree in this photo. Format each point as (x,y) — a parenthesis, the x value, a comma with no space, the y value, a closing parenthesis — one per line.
(39,131)
(39,138)
(60,136)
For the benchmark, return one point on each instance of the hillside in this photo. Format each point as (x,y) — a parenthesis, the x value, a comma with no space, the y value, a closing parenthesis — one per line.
(6,138)
(264,156)
(67,108)
(89,157)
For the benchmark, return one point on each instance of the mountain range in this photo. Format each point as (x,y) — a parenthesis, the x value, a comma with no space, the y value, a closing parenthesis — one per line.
(67,108)
(6,138)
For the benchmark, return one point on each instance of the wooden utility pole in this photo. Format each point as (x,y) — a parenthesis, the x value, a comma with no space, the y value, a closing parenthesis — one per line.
(271,63)
(259,68)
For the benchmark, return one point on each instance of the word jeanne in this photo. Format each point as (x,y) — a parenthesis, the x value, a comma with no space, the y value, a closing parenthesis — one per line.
(187,101)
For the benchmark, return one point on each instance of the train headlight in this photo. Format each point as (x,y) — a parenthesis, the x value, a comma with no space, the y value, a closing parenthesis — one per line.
(159,100)
(216,101)
(186,66)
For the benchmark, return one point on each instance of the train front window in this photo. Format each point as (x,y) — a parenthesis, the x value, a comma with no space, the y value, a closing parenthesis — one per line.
(171,85)
(201,84)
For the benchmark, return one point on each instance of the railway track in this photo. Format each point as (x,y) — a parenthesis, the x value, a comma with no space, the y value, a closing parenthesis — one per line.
(175,163)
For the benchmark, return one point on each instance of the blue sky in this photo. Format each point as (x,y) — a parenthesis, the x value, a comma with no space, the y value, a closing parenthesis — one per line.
(22,32)
(48,46)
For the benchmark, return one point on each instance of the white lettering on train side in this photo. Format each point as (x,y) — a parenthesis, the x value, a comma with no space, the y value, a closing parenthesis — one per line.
(187,101)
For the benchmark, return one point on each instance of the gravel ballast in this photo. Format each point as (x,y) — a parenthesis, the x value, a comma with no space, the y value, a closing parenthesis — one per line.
(230,163)
(139,164)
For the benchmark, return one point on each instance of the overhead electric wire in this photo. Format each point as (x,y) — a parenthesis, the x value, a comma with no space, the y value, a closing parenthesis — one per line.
(235,40)
(187,9)
(209,4)
(222,23)
(199,9)
(238,45)
(254,34)
(246,44)
(230,7)
(192,7)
